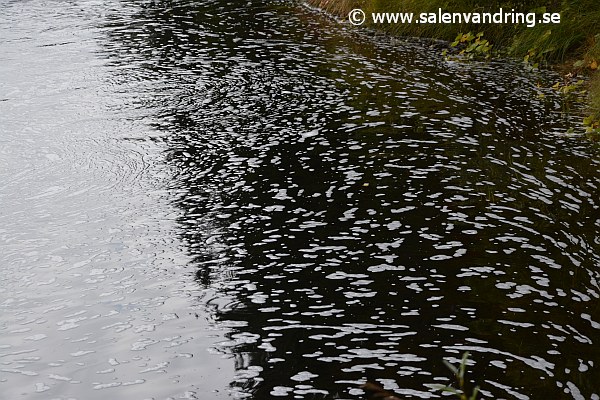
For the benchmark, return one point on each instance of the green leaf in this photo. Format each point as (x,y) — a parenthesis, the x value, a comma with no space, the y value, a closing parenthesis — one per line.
(463,366)
(475,393)
(451,367)
(471,47)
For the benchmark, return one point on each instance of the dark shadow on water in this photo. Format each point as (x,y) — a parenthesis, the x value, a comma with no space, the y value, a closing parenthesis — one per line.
(370,208)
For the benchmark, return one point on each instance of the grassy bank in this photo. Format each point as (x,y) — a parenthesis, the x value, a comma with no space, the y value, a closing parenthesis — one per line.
(574,43)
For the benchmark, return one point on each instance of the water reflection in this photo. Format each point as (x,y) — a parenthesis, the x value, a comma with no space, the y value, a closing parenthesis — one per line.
(359,209)
(92,299)
(371,209)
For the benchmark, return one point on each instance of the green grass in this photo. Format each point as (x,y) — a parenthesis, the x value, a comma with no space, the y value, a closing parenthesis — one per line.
(567,40)
(592,56)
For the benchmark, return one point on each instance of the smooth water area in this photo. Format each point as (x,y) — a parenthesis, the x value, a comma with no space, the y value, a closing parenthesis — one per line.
(247,199)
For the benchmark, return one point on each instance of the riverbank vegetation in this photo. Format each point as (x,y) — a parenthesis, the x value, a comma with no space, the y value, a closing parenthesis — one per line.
(573,44)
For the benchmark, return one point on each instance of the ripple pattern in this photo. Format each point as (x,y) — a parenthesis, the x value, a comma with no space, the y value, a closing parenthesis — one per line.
(340,208)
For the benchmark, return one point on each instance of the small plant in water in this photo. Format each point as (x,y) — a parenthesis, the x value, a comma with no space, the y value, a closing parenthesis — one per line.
(459,373)
(592,123)
(530,59)
(568,87)
(471,46)
(575,91)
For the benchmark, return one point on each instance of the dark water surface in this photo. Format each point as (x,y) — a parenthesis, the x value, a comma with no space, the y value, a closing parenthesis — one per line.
(212,199)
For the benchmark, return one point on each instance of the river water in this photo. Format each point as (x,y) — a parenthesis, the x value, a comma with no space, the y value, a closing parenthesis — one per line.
(245,199)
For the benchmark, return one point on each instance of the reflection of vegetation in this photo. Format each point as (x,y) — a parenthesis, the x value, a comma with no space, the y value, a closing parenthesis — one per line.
(575,41)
